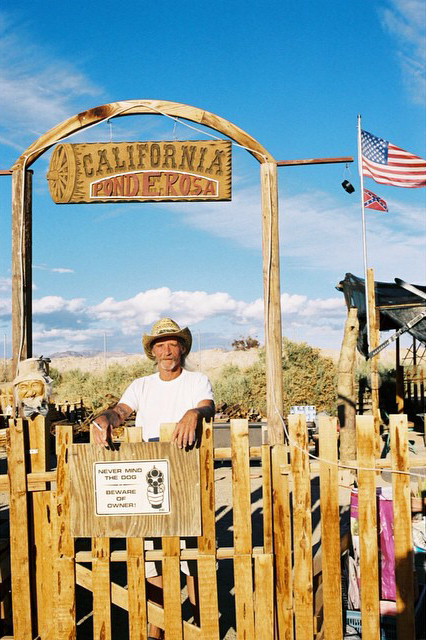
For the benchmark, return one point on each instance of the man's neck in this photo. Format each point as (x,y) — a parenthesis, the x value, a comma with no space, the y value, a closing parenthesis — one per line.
(169,375)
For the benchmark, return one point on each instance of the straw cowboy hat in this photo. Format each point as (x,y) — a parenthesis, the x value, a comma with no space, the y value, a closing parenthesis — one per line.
(166,328)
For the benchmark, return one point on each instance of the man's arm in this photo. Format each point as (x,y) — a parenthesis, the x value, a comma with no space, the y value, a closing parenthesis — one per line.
(184,434)
(108,419)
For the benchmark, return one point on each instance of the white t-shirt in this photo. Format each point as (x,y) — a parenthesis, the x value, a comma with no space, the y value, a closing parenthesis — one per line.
(158,401)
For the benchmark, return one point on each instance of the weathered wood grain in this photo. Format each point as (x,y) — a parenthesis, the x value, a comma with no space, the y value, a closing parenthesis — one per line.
(243,579)
(184,492)
(330,530)
(401,500)
(302,527)
(367,520)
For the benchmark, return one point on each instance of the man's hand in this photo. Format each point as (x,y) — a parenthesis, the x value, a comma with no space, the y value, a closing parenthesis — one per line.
(105,421)
(101,430)
(184,433)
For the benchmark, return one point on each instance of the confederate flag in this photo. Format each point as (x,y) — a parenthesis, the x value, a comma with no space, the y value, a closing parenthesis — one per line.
(371,201)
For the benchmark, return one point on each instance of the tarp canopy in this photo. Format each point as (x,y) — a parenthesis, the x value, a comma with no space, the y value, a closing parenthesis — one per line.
(397,306)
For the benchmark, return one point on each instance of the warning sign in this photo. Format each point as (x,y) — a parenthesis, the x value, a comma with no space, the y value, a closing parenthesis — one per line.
(137,487)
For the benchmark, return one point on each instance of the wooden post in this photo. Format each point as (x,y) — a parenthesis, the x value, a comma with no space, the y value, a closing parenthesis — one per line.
(19,542)
(21,266)
(399,380)
(271,294)
(402,533)
(302,528)
(282,543)
(374,319)
(346,400)
(367,520)
(244,607)
(64,555)
(330,535)
(207,583)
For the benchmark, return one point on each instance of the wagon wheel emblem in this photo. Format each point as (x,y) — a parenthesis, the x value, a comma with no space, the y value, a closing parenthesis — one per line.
(62,173)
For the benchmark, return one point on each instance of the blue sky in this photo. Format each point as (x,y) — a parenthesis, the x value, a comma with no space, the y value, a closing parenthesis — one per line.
(294,76)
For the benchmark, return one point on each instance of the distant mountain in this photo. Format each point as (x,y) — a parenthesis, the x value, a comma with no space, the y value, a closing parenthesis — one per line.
(87,354)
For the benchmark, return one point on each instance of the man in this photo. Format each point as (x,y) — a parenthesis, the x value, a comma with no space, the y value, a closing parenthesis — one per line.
(173,394)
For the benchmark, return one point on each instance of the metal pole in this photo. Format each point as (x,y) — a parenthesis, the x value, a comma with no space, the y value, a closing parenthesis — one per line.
(364,235)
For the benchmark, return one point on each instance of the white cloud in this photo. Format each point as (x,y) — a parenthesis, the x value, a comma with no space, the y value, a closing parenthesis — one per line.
(62,324)
(43,267)
(405,20)
(5,284)
(38,88)
(53,304)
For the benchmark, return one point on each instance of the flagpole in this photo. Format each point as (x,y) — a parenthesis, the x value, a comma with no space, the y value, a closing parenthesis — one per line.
(364,235)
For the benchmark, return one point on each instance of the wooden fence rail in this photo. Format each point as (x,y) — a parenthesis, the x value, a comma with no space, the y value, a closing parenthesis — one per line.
(275,584)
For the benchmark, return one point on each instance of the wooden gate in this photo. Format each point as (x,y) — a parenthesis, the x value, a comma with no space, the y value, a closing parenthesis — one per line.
(58,582)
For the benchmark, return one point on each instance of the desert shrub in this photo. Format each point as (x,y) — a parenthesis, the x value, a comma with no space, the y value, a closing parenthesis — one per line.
(231,387)
(308,378)
(97,389)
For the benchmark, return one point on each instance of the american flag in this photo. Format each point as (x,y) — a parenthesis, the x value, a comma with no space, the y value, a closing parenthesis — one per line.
(388,164)
(371,201)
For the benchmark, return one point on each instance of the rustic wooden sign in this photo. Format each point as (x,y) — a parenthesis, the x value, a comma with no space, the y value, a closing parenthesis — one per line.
(141,489)
(140,171)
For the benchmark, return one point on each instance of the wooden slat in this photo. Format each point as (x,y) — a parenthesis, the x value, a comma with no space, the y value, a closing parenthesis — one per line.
(272,300)
(39,445)
(302,527)
(367,520)
(268,535)
(330,531)
(282,543)
(244,606)
(207,580)
(19,549)
(101,586)
(402,532)
(292,163)
(171,571)
(136,587)
(62,542)
(264,596)
(101,589)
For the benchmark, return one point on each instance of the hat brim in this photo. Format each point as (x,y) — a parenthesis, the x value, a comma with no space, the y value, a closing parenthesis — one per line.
(184,335)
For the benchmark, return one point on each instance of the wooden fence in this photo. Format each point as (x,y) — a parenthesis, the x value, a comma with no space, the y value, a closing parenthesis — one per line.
(57,582)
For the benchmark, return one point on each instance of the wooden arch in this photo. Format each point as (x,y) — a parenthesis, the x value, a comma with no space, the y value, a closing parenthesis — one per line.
(21,229)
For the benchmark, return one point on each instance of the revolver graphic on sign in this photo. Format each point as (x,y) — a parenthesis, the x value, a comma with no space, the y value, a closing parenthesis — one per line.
(155,490)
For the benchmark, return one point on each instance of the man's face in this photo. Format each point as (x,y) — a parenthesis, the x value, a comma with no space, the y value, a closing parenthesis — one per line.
(168,353)
(30,389)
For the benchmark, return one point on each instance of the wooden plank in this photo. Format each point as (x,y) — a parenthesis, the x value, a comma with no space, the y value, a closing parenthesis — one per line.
(101,589)
(151,171)
(302,527)
(243,579)
(133,107)
(101,583)
(206,565)
(19,547)
(272,304)
(282,543)
(264,596)
(182,519)
(401,499)
(63,543)
(39,446)
(374,362)
(171,570)
(137,605)
(21,266)
(292,163)
(268,534)
(330,531)
(367,521)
